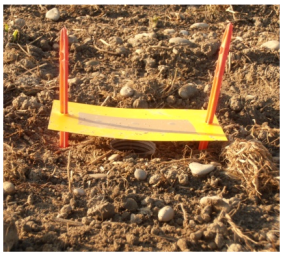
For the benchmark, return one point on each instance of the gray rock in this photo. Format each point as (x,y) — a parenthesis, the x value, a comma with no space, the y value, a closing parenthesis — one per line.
(180,41)
(9,188)
(150,62)
(200,170)
(171,99)
(115,40)
(19,22)
(91,63)
(127,91)
(184,32)
(121,50)
(140,174)
(272,45)
(102,211)
(130,204)
(166,214)
(53,14)
(169,31)
(199,25)
(187,91)
(72,39)
(140,103)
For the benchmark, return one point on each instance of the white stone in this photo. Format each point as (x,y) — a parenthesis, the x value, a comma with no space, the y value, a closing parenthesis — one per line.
(140,174)
(198,169)
(149,35)
(235,247)
(179,40)
(126,91)
(114,157)
(53,14)
(9,188)
(184,32)
(199,25)
(78,192)
(166,214)
(272,45)
(169,31)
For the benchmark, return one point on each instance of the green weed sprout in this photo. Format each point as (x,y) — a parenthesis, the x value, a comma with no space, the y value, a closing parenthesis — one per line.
(16,35)
(6,28)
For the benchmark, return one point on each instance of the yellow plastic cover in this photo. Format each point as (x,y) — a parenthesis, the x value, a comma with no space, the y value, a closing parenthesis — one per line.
(136,124)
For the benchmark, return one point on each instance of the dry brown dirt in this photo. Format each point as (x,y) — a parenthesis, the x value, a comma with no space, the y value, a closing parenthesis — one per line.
(119,213)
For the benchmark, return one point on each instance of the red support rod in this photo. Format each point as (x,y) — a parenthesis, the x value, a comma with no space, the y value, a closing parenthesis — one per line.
(217,81)
(64,73)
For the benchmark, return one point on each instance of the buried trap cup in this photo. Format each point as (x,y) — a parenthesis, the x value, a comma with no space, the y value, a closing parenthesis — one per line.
(138,124)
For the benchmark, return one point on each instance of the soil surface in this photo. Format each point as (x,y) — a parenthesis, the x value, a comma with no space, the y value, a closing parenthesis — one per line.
(86,197)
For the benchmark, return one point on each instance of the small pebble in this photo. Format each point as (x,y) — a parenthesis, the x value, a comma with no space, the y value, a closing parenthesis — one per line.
(272,45)
(130,204)
(184,32)
(127,91)
(65,211)
(139,51)
(219,240)
(169,31)
(19,22)
(140,103)
(180,40)
(115,40)
(114,157)
(87,40)
(183,179)
(166,214)
(154,179)
(182,244)
(235,247)
(187,91)
(171,99)
(140,174)
(121,50)
(199,25)
(136,218)
(55,46)
(200,170)
(78,192)
(53,14)
(91,63)
(72,39)
(9,188)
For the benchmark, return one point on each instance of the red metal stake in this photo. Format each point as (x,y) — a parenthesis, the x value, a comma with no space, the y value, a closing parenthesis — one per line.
(64,73)
(217,81)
